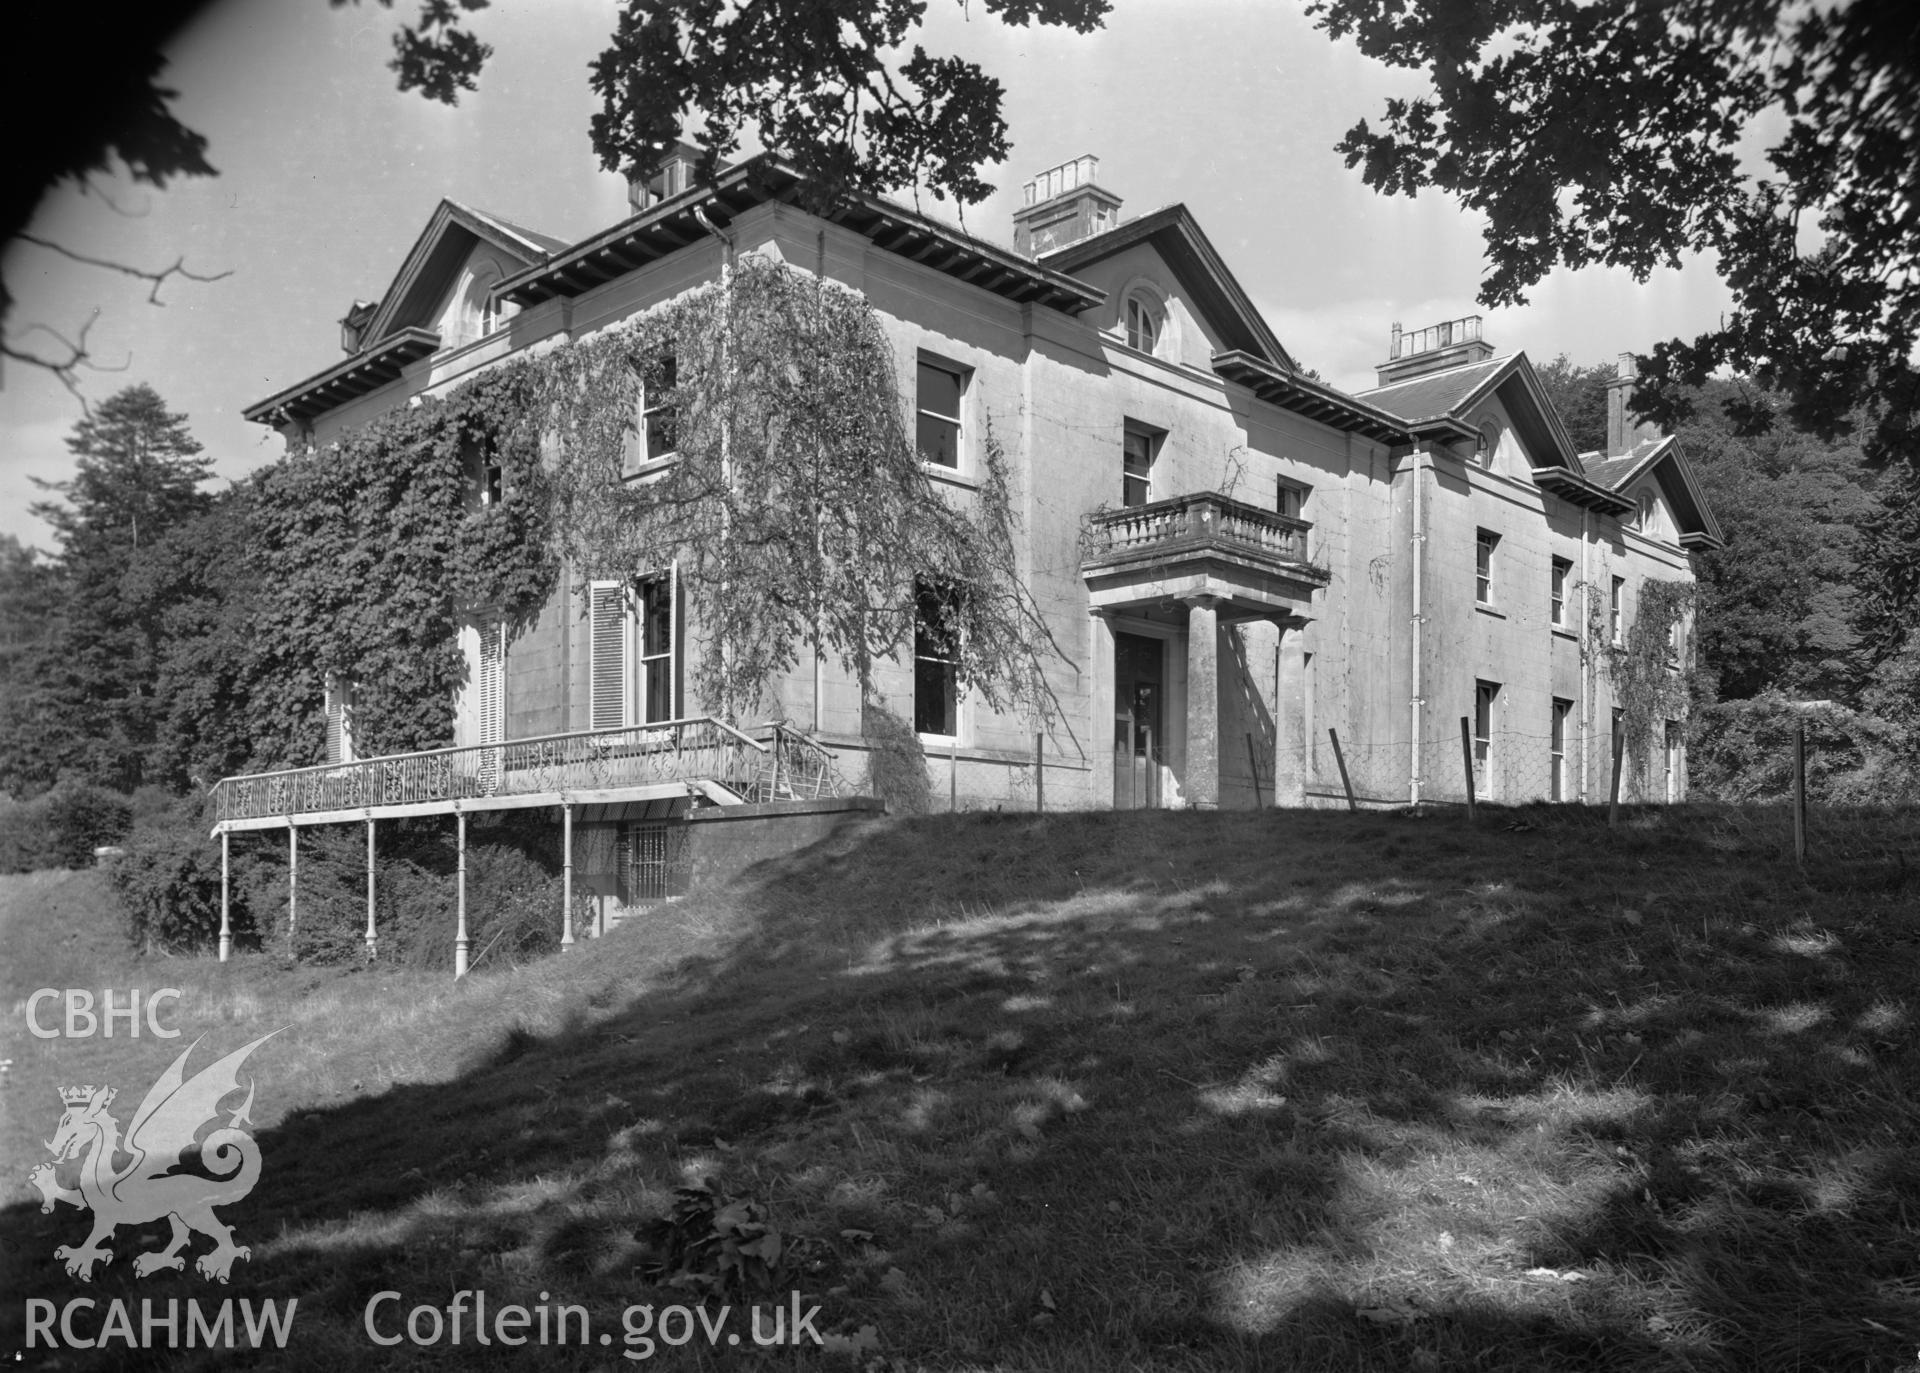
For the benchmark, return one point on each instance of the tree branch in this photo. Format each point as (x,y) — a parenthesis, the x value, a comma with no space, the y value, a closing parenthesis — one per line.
(64,369)
(159,278)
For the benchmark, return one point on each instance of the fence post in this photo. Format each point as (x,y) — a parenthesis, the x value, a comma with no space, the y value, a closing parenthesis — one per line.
(1039,775)
(1800,791)
(1253,761)
(1466,757)
(1346,783)
(953,776)
(1613,787)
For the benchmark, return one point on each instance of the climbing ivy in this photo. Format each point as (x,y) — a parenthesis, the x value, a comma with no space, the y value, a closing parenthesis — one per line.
(795,506)
(369,553)
(1648,688)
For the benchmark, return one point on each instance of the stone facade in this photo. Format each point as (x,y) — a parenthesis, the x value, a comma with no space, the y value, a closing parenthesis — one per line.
(1269,558)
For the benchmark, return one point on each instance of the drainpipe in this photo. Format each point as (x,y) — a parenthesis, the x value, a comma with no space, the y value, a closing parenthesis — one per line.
(1418,550)
(1586,666)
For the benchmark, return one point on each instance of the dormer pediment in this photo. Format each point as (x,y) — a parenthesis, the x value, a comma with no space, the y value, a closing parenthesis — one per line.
(441,296)
(446,279)
(1166,256)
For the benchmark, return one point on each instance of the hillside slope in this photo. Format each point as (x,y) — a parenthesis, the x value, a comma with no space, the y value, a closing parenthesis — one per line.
(1123,1090)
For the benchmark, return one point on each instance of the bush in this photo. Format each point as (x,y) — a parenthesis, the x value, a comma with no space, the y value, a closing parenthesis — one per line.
(896,764)
(1743,751)
(62,828)
(168,884)
(82,818)
(513,894)
(26,844)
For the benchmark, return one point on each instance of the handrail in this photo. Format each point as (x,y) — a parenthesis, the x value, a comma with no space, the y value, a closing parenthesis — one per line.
(501,743)
(696,748)
(811,773)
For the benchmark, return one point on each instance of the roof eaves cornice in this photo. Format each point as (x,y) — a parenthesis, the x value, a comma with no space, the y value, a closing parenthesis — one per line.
(662,229)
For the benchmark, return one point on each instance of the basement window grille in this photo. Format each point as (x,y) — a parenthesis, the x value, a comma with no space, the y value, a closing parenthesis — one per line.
(647,865)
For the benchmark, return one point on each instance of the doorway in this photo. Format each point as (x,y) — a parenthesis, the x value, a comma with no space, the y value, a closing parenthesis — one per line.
(1138,727)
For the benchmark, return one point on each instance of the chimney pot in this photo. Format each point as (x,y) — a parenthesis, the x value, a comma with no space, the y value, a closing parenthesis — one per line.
(1062,205)
(1450,343)
(674,175)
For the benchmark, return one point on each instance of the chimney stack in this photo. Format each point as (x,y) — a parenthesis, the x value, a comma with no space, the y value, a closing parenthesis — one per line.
(1623,434)
(674,175)
(353,325)
(1451,343)
(1063,204)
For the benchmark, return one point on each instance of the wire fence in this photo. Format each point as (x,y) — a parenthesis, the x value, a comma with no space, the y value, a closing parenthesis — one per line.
(1504,766)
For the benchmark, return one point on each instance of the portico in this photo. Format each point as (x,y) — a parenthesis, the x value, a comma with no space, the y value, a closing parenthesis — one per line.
(1195,574)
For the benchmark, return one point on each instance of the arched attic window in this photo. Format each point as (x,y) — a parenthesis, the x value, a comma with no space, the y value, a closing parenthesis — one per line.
(1646,514)
(1143,317)
(478,313)
(1487,447)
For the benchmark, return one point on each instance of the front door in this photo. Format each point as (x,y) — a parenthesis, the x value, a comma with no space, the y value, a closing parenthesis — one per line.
(1138,745)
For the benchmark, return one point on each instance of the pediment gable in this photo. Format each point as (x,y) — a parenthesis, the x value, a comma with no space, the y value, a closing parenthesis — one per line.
(1462,392)
(458,245)
(1166,252)
(1661,465)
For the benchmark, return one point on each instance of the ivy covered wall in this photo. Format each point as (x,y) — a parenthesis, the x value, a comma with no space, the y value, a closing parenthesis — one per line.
(795,507)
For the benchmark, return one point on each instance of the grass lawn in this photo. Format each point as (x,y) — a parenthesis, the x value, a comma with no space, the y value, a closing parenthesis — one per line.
(1092,1092)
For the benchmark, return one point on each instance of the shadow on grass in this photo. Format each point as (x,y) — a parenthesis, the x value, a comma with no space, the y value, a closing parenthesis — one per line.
(1279,1090)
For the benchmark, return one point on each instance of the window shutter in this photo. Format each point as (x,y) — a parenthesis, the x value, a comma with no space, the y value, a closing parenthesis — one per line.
(339,712)
(607,614)
(493,695)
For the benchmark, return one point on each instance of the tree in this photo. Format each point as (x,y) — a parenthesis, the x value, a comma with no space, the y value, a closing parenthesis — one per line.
(199,586)
(807,76)
(125,119)
(30,621)
(1779,604)
(1579,394)
(1612,132)
(92,708)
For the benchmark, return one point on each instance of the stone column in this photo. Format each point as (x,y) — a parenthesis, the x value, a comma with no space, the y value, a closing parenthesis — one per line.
(1290,718)
(1100,663)
(1203,703)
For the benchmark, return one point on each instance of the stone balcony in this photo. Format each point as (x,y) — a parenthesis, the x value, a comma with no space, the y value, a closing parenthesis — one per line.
(1253,562)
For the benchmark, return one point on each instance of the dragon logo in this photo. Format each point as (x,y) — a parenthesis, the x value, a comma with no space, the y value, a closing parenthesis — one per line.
(162,1135)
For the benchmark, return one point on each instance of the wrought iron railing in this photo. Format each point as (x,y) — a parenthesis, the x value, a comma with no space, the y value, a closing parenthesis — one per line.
(797,768)
(697,749)
(1198,520)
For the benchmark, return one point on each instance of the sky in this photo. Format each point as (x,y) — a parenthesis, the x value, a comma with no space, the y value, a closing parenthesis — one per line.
(328,174)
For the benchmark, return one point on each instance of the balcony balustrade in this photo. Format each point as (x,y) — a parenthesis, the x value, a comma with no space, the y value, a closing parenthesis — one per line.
(699,749)
(1196,522)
